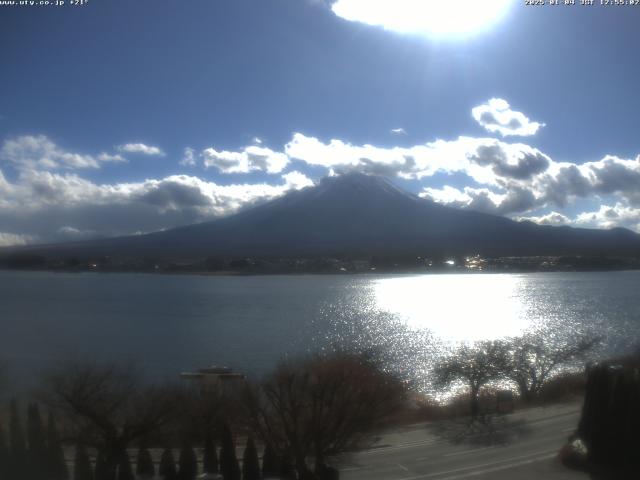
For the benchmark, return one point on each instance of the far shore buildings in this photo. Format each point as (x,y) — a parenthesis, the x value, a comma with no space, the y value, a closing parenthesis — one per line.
(213,377)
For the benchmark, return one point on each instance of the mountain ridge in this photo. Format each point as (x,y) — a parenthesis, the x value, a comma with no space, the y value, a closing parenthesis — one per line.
(357,215)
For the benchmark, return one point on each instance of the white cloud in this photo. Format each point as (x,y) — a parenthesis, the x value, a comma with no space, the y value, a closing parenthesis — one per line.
(552,218)
(297,180)
(496,116)
(39,152)
(398,131)
(9,239)
(188,157)
(46,206)
(611,216)
(142,149)
(429,17)
(251,158)
(483,159)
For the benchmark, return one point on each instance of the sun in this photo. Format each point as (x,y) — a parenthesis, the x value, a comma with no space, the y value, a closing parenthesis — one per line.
(437,18)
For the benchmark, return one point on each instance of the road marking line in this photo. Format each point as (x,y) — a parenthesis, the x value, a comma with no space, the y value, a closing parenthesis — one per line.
(546,454)
(466,452)
(501,467)
(374,451)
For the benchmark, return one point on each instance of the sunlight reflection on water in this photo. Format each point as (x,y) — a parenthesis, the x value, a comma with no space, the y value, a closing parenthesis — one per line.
(456,307)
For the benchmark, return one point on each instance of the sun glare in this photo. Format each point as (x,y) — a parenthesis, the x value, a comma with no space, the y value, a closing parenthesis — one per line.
(456,307)
(441,18)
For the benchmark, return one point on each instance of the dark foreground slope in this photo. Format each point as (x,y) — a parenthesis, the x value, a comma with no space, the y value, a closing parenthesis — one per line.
(358,215)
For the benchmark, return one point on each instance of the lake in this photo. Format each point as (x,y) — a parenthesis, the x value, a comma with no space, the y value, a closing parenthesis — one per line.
(172,323)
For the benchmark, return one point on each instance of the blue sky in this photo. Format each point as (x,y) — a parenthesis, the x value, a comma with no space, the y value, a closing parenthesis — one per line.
(126,116)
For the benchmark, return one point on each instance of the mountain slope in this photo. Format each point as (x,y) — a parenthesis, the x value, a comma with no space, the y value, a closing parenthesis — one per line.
(359,215)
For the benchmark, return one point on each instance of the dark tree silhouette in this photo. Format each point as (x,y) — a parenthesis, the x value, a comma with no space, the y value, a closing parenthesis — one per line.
(167,469)
(104,470)
(475,365)
(210,456)
(107,405)
(610,419)
(229,467)
(82,465)
(322,406)
(37,451)
(4,454)
(269,462)
(145,468)
(125,472)
(533,358)
(55,454)
(188,463)
(250,463)
(17,444)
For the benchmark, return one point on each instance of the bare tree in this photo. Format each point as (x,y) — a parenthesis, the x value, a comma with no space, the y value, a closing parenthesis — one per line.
(474,365)
(533,358)
(322,406)
(106,406)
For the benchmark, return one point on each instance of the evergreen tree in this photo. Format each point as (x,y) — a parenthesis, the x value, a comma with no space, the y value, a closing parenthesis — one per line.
(250,464)
(82,465)
(104,470)
(210,457)
(145,467)
(37,452)
(17,446)
(167,470)
(4,455)
(228,461)
(125,472)
(57,465)
(287,470)
(188,463)
(269,462)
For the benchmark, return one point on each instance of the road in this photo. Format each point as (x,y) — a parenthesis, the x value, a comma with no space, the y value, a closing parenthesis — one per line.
(523,445)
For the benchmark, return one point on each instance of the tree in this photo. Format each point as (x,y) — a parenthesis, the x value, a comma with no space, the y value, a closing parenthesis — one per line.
(108,408)
(125,472)
(82,465)
(37,451)
(4,455)
(322,406)
(533,358)
(250,463)
(229,467)
(145,467)
(210,457)
(474,365)
(269,462)
(57,465)
(17,444)
(188,463)
(167,469)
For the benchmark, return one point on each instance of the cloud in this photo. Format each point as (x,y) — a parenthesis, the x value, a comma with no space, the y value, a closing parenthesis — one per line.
(142,149)
(485,160)
(8,239)
(553,218)
(39,152)
(297,180)
(188,157)
(398,131)
(251,158)
(46,206)
(607,216)
(496,116)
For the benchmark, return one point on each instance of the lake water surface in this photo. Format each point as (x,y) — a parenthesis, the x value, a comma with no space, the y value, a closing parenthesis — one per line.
(172,323)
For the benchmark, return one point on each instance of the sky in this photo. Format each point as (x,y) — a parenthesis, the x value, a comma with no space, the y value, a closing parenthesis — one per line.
(130,116)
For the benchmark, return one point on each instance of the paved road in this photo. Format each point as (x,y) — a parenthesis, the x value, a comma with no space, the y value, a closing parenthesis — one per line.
(523,445)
